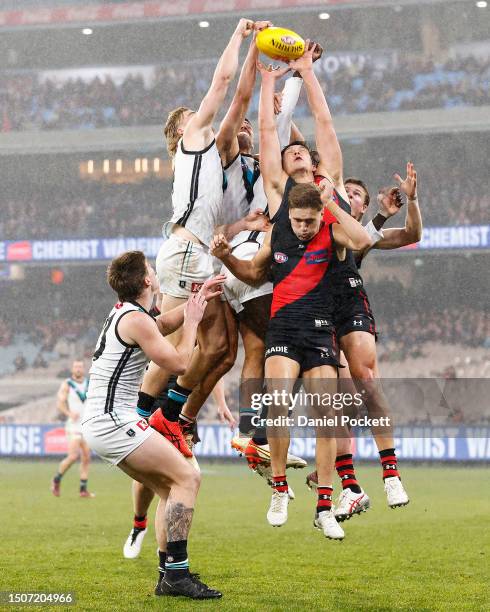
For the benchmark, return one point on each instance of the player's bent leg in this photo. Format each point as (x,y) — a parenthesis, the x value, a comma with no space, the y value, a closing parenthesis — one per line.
(319,381)
(142,498)
(66,463)
(84,468)
(280,375)
(360,351)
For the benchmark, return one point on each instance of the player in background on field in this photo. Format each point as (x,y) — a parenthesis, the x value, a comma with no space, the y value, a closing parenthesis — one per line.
(111,425)
(300,336)
(70,401)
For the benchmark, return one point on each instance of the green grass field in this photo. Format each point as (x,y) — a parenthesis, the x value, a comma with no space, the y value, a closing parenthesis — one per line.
(431,555)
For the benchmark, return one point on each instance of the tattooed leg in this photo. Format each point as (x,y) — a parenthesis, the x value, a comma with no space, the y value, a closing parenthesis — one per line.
(178,519)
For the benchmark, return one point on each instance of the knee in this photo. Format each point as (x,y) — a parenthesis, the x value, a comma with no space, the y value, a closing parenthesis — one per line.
(216,349)
(72,457)
(363,372)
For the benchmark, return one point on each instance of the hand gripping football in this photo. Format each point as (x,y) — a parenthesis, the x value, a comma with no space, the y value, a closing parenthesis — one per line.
(280,43)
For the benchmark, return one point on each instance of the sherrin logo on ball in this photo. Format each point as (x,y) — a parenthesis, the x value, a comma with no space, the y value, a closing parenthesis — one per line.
(279,43)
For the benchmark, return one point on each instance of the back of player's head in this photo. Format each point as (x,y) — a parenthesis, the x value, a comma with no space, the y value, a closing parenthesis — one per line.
(126,275)
(356,181)
(296,143)
(305,195)
(171,128)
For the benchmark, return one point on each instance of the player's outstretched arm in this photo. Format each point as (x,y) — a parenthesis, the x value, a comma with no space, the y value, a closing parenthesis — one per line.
(256,221)
(226,139)
(327,143)
(138,328)
(396,237)
(286,103)
(198,133)
(348,232)
(253,272)
(171,320)
(273,175)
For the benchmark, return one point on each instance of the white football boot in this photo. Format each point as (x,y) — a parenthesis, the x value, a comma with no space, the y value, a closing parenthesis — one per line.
(240,443)
(395,493)
(132,546)
(327,522)
(278,510)
(350,503)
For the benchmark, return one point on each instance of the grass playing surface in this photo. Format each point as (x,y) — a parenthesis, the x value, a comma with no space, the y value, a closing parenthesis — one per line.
(431,555)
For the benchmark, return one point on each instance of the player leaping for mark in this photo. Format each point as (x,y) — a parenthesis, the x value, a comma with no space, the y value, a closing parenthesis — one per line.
(298,252)
(111,426)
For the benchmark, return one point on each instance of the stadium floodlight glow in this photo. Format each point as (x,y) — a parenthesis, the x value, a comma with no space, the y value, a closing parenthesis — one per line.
(119,166)
(137,165)
(204,24)
(90,166)
(482,4)
(144,164)
(324,16)
(156,164)
(87,31)
(106,166)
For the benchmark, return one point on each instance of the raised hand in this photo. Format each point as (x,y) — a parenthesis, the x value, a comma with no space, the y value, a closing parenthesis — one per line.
(194,308)
(257,221)
(409,185)
(245,27)
(262,25)
(226,417)
(305,62)
(317,52)
(219,247)
(270,71)
(389,201)
(326,190)
(212,287)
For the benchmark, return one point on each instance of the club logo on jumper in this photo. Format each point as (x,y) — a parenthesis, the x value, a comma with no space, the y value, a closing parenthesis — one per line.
(142,424)
(357,322)
(131,433)
(322,323)
(280,258)
(355,282)
(316,257)
(196,287)
(276,349)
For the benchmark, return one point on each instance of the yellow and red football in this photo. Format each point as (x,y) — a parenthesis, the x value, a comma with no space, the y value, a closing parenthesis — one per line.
(279,43)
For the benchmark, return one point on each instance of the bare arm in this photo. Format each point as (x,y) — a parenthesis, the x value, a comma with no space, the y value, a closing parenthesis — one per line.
(397,237)
(138,328)
(348,232)
(327,143)
(226,138)
(198,133)
(254,271)
(273,175)
(289,99)
(62,399)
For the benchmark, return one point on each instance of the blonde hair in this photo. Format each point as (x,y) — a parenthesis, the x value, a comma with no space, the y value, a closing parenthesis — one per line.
(171,128)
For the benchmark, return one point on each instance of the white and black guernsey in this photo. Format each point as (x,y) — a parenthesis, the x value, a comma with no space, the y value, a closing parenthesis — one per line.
(117,368)
(197,193)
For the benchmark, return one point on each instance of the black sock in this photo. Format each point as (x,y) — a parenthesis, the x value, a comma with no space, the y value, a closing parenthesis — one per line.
(260,439)
(161,567)
(176,563)
(145,404)
(245,417)
(58,477)
(389,463)
(83,484)
(344,464)
(177,397)
(260,435)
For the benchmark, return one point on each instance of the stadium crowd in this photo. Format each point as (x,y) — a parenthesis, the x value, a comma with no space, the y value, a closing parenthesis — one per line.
(407,84)
(106,210)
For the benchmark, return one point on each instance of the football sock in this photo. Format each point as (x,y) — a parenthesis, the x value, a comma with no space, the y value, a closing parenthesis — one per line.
(186,423)
(140,522)
(245,417)
(145,404)
(260,439)
(344,465)
(177,397)
(324,503)
(176,563)
(280,484)
(58,477)
(389,463)
(161,566)
(83,485)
